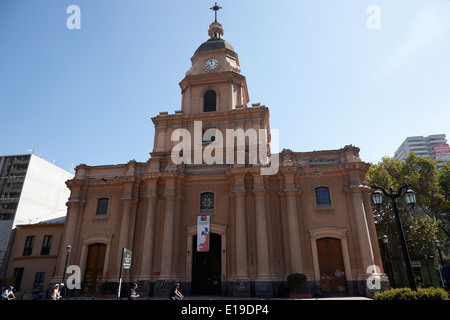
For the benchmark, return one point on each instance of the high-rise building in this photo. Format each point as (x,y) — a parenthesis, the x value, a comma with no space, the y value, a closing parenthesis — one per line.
(31,188)
(434,147)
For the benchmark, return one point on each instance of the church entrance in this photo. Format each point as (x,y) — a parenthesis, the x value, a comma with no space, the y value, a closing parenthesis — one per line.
(206,268)
(94,268)
(331,265)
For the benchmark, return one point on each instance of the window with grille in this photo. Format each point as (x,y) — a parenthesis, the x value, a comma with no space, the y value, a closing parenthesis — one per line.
(206,201)
(323,196)
(102,207)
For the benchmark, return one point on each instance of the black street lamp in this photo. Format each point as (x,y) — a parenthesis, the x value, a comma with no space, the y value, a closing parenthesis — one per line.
(389,260)
(438,246)
(68,249)
(410,198)
(428,268)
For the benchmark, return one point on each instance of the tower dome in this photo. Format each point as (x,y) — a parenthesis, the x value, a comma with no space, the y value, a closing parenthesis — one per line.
(215,42)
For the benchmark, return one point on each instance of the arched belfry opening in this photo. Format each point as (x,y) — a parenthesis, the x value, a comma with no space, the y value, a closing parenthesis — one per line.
(209,101)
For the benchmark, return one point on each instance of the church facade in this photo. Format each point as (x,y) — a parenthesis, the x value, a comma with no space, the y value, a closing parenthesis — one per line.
(308,213)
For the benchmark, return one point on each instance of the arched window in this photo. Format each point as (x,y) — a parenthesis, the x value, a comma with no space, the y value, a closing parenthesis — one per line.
(209,101)
(323,196)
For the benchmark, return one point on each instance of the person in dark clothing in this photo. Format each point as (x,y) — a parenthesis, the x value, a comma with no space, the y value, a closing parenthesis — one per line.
(175,293)
(132,295)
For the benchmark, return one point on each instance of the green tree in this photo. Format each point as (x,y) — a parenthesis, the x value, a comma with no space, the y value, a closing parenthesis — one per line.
(423,230)
(444,182)
(428,220)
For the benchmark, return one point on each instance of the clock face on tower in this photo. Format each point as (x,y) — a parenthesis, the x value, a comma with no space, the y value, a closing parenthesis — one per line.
(211,64)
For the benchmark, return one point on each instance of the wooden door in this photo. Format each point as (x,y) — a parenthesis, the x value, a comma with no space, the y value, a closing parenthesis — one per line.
(94,268)
(206,268)
(331,265)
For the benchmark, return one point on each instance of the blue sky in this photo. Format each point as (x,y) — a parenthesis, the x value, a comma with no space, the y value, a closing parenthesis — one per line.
(88,95)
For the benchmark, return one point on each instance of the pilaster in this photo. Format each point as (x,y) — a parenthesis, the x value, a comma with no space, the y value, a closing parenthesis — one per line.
(290,192)
(149,231)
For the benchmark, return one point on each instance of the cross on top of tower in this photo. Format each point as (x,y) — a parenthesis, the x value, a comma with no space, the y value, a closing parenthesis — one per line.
(215,8)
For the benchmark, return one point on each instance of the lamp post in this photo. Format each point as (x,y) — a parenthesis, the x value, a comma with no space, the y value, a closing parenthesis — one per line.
(410,198)
(438,246)
(388,258)
(428,268)
(68,249)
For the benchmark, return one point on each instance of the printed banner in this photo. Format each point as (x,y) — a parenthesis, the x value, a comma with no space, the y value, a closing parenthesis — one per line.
(203,234)
(442,151)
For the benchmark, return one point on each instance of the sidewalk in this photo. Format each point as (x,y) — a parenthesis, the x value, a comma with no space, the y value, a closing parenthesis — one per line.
(207,298)
(225,298)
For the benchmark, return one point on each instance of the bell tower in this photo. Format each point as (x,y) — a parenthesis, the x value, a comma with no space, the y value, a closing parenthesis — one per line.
(214,83)
(213,93)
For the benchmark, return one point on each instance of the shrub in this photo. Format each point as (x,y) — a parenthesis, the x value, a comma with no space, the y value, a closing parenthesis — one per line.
(296,281)
(110,287)
(408,294)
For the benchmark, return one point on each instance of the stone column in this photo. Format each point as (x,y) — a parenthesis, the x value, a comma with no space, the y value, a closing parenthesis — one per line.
(262,250)
(168,230)
(124,228)
(366,254)
(263,285)
(231,96)
(362,228)
(73,210)
(167,241)
(188,100)
(177,232)
(241,286)
(241,237)
(149,237)
(293,228)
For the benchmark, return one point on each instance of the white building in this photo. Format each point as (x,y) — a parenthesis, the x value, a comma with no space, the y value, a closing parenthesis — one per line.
(31,189)
(433,147)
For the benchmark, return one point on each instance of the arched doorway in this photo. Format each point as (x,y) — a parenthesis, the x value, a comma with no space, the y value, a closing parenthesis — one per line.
(206,267)
(331,266)
(94,268)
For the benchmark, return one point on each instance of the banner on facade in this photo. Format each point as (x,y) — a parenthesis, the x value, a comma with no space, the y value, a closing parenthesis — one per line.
(202,233)
(442,151)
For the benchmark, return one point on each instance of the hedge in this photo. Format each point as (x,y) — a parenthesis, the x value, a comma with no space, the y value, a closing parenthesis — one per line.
(408,294)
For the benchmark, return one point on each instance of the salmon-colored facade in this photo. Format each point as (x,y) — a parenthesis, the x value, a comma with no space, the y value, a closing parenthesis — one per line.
(34,253)
(310,215)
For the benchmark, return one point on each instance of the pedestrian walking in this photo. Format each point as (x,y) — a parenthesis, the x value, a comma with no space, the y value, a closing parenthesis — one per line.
(60,290)
(132,294)
(8,294)
(175,293)
(55,293)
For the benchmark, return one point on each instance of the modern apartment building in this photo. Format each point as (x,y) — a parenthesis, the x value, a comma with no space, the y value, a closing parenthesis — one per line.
(31,189)
(433,146)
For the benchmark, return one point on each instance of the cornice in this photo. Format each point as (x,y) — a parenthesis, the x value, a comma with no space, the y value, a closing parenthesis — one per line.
(208,78)
(353,188)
